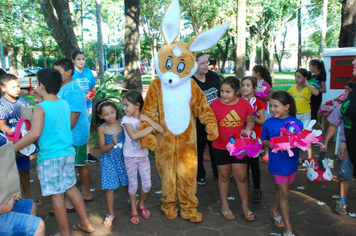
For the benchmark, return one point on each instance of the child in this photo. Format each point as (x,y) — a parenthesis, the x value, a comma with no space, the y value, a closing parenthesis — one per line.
(24,211)
(9,116)
(345,168)
(264,85)
(317,67)
(234,115)
(284,168)
(111,141)
(136,157)
(249,85)
(323,114)
(55,160)
(301,92)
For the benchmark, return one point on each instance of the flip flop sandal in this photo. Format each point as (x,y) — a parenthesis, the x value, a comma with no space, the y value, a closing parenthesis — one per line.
(108,220)
(79,228)
(144,213)
(278,221)
(228,215)
(134,220)
(249,216)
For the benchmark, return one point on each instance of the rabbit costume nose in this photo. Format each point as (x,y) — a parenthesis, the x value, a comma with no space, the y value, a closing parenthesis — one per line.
(171,79)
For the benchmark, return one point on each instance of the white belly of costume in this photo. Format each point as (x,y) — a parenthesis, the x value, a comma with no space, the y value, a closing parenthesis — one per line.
(176,107)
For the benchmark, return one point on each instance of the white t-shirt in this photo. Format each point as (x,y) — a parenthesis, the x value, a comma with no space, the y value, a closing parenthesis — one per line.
(132,148)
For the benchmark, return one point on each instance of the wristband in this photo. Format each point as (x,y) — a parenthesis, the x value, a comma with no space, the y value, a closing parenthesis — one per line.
(343,141)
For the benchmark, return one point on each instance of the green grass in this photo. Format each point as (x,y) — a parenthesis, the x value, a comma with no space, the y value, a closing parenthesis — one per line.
(31,99)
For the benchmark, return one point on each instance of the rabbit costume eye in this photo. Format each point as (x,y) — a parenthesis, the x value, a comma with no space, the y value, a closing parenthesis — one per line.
(180,67)
(169,64)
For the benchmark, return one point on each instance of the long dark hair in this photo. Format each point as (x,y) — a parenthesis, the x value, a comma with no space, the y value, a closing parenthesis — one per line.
(320,64)
(99,107)
(134,97)
(304,73)
(264,73)
(285,98)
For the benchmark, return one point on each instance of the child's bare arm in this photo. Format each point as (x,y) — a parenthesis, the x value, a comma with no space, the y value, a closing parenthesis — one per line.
(261,115)
(36,129)
(3,126)
(155,125)
(265,143)
(134,135)
(313,90)
(105,148)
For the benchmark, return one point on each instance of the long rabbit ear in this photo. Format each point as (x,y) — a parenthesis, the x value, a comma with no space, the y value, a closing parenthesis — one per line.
(312,164)
(208,39)
(170,22)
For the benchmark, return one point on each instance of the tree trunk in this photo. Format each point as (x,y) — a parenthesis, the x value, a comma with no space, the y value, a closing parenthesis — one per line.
(60,24)
(153,52)
(132,77)
(100,41)
(323,29)
(11,54)
(252,52)
(279,59)
(348,24)
(2,55)
(299,63)
(241,39)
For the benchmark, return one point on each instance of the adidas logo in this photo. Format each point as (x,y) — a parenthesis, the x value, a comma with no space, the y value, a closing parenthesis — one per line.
(231,120)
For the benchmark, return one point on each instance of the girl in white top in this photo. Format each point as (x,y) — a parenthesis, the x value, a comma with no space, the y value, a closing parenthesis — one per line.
(136,157)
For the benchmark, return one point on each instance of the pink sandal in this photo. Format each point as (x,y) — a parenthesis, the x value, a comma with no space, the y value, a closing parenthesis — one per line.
(144,213)
(134,220)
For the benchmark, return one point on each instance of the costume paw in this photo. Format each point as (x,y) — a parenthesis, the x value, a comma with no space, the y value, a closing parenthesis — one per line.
(169,212)
(149,142)
(192,215)
(212,132)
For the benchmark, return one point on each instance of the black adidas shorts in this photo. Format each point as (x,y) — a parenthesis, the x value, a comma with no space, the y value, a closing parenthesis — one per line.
(222,157)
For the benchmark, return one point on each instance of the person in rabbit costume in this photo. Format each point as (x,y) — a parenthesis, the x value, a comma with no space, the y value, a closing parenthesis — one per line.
(178,101)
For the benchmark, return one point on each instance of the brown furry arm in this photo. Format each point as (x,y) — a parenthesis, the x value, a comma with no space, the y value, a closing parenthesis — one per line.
(203,111)
(150,108)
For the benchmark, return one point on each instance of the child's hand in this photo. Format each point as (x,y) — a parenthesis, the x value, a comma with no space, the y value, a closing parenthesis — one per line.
(155,113)
(245,133)
(306,82)
(38,97)
(114,139)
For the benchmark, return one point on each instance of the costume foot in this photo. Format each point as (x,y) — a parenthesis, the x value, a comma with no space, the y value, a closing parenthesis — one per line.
(170,212)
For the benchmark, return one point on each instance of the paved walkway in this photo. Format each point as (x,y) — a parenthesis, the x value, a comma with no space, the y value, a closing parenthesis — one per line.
(311,209)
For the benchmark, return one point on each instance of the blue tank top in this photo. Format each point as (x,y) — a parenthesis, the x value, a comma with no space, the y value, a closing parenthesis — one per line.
(56,138)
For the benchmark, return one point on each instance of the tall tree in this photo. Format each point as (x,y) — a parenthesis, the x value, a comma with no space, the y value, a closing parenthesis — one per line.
(323,29)
(100,40)
(240,61)
(132,77)
(58,18)
(348,24)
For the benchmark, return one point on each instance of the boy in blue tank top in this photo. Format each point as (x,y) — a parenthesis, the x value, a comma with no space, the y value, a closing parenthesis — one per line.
(55,162)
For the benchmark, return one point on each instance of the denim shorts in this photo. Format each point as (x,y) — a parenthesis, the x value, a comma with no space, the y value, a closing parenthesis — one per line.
(345,169)
(23,162)
(19,221)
